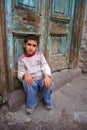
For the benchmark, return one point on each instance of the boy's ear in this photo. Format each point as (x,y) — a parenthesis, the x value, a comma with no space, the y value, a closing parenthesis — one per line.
(37,46)
(24,45)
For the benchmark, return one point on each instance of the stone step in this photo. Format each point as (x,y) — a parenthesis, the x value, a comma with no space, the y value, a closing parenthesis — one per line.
(61,78)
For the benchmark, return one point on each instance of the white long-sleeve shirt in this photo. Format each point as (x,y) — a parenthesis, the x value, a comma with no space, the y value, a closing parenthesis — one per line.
(35,65)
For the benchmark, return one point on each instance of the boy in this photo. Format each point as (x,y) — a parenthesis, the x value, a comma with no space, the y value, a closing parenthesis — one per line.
(34,73)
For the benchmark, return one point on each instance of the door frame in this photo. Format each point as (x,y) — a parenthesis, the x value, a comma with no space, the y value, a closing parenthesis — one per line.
(3,56)
(76,32)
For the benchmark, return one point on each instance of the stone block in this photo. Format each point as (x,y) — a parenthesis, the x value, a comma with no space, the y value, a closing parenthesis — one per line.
(16,99)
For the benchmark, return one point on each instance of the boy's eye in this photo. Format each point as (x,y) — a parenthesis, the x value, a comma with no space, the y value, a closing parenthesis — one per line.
(32,45)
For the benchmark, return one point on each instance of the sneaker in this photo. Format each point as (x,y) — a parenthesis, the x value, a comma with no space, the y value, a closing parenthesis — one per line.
(48,107)
(29,110)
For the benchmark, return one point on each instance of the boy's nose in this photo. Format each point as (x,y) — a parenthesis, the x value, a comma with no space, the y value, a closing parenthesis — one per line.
(31,46)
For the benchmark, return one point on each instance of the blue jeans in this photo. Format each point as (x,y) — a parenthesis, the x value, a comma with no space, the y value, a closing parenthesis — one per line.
(31,93)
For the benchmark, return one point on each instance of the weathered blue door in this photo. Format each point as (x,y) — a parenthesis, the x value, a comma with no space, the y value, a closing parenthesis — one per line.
(59,28)
(51,20)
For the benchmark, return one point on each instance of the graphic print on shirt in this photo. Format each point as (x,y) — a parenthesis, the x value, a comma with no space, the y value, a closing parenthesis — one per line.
(38,62)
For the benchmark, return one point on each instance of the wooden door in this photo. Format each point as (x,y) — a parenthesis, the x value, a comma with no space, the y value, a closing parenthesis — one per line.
(59,28)
(22,17)
(50,20)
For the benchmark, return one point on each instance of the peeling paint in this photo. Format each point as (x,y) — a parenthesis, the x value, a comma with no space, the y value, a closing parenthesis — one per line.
(58,28)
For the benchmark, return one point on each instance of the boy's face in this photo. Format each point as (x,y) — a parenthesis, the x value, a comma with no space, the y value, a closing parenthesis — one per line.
(30,47)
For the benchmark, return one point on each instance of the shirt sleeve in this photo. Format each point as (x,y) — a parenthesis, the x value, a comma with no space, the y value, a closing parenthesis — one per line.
(21,70)
(44,66)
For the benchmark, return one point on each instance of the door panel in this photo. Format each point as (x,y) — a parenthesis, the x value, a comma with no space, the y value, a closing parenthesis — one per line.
(25,22)
(60,8)
(29,4)
(58,45)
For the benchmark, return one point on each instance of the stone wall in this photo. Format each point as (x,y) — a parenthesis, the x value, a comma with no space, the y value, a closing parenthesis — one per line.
(83,47)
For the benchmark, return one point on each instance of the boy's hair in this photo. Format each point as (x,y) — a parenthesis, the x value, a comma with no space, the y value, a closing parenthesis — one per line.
(32,37)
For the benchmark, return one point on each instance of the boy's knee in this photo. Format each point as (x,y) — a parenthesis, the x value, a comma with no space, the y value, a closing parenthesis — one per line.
(25,83)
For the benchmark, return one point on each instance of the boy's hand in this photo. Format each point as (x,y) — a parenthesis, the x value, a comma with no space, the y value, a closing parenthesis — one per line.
(47,81)
(28,78)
